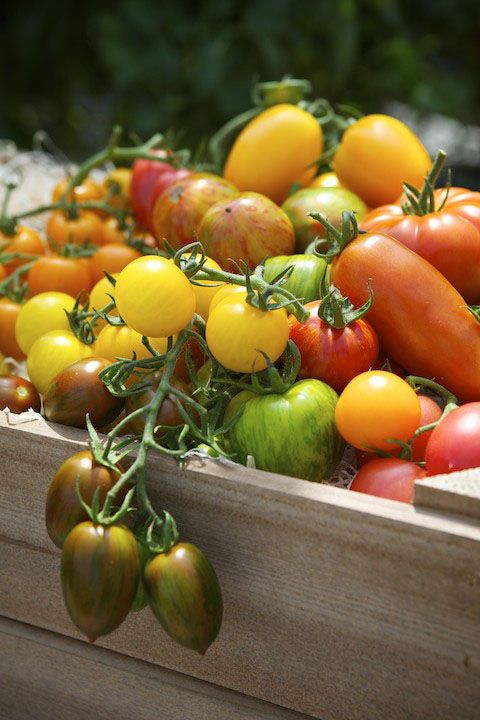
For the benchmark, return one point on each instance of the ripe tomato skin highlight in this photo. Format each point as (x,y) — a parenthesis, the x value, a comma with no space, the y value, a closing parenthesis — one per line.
(376,156)
(333,355)
(56,273)
(154,297)
(18,394)
(100,575)
(377,406)
(63,510)
(9,311)
(52,353)
(275,150)
(26,241)
(390,478)
(41,314)
(111,258)
(248,227)
(87,227)
(455,443)
(422,322)
(236,332)
(327,179)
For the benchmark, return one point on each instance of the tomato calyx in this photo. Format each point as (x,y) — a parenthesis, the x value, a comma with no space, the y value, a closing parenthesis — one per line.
(272,381)
(422,201)
(337,240)
(335,309)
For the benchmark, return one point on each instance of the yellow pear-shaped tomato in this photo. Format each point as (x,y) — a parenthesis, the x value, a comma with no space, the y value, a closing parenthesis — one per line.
(377,155)
(275,150)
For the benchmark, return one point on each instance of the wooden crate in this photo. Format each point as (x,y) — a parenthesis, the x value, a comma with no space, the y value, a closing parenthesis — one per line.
(337,605)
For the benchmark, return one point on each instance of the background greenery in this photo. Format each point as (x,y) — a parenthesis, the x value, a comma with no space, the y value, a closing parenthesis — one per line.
(74,68)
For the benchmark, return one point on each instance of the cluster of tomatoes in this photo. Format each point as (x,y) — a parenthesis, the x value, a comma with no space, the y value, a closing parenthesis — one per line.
(244,314)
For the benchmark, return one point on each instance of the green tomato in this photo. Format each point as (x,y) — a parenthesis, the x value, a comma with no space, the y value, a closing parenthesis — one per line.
(292,434)
(304,282)
(326,200)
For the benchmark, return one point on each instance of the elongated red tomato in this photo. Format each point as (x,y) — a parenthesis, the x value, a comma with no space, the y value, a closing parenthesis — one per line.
(421,320)
(448,238)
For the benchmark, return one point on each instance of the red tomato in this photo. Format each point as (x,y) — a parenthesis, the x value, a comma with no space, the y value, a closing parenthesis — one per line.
(333,355)
(70,275)
(388,478)
(145,174)
(448,238)
(430,412)
(163,182)
(455,442)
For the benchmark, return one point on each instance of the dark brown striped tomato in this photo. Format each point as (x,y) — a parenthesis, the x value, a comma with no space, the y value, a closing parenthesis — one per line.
(100,575)
(18,394)
(78,390)
(168,413)
(63,510)
(184,593)
(140,600)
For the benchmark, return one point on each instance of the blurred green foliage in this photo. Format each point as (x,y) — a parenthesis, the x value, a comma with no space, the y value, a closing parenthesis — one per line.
(74,68)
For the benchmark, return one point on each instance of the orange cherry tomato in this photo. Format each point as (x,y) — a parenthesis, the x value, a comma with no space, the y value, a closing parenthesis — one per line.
(69,275)
(112,232)
(120,178)
(87,190)
(3,273)
(85,228)
(111,258)
(375,407)
(9,311)
(376,156)
(26,241)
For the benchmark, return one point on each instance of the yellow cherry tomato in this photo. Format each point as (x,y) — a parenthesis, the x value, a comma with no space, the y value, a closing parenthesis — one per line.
(377,155)
(376,407)
(120,341)
(154,297)
(41,314)
(205,292)
(226,291)
(328,179)
(51,353)
(120,179)
(236,332)
(87,190)
(275,150)
(100,294)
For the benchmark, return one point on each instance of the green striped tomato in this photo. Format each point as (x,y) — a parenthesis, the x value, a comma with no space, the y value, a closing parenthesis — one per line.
(184,593)
(292,433)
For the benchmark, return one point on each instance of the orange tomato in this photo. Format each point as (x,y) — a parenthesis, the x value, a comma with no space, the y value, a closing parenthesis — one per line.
(9,311)
(120,178)
(275,150)
(85,228)
(111,258)
(377,155)
(87,190)
(112,232)
(3,273)
(69,275)
(26,241)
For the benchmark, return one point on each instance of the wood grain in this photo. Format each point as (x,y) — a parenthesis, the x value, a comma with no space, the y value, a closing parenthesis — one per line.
(457,492)
(51,677)
(338,605)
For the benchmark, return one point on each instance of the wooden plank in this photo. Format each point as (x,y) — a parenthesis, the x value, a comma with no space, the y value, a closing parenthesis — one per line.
(338,605)
(45,676)
(457,492)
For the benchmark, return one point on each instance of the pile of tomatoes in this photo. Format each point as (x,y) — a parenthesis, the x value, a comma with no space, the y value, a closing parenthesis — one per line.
(266,313)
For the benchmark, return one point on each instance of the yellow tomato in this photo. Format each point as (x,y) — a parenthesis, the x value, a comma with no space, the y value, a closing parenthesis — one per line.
(377,155)
(205,292)
(375,407)
(51,353)
(120,178)
(99,297)
(275,150)
(226,291)
(154,297)
(120,341)
(236,332)
(328,179)
(40,315)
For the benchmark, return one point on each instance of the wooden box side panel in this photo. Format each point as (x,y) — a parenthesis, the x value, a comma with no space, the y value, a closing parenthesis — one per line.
(335,605)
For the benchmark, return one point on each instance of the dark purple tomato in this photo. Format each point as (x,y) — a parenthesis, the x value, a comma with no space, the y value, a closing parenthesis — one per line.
(100,575)
(18,394)
(63,510)
(78,390)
